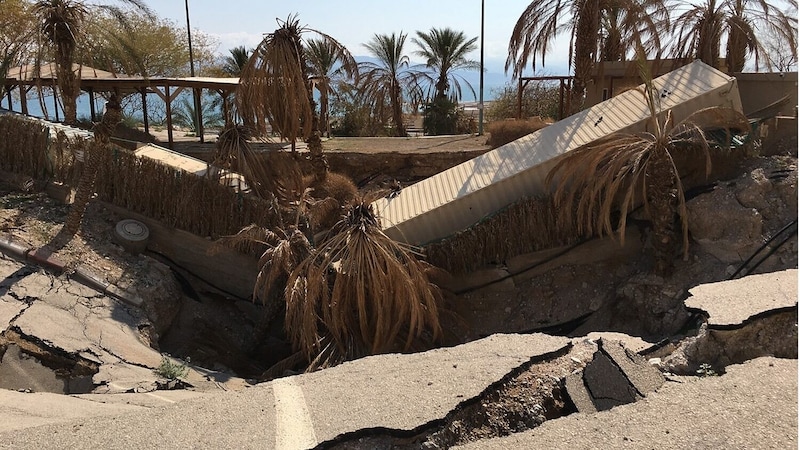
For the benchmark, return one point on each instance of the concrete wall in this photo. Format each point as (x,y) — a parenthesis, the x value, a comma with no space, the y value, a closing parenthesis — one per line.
(760,90)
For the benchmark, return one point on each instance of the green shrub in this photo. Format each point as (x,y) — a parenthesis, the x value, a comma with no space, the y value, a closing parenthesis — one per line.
(171,370)
(504,131)
(440,117)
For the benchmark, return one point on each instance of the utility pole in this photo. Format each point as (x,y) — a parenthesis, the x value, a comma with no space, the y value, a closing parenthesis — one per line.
(197,113)
(480,101)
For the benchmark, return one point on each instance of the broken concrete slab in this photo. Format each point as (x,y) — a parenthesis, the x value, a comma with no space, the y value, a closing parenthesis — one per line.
(26,410)
(404,392)
(732,303)
(606,384)
(615,376)
(398,391)
(54,326)
(21,372)
(578,393)
(9,309)
(642,376)
(754,405)
(38,286)
(633,343)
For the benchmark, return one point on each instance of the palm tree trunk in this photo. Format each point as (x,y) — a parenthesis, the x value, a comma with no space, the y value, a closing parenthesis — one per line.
(319,164)
(736,50)
(68,84)
(662,193)
(587,33)
(397,110)
(102,143)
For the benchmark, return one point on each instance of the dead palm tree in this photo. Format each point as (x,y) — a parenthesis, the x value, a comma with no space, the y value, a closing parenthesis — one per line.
(360,293)
(275,89)
(617,171)
(543,21)
(382,83)
(701,28)
(445,52)
(328,63)
(112,116)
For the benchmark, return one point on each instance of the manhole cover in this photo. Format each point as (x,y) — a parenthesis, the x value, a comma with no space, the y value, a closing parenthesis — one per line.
(132,230)
(132,235)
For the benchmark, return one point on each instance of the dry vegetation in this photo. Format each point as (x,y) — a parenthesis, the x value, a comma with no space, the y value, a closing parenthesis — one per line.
(504,131)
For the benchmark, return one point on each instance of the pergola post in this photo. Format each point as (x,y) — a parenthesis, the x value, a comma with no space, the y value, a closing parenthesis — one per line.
(92,110)
(23,98)
(8,95)
(143,91)
(55,101)
(168,101)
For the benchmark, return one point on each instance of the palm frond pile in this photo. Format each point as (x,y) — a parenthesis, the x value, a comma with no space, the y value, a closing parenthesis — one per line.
(176,198)
(526,226)
(360,293)
(30,148)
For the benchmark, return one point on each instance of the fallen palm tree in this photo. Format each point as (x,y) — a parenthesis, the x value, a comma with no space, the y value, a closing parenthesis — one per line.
(360,293)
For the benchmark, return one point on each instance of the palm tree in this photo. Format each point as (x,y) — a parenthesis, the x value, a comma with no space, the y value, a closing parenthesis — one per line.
(360,293)
(184,113)
(701,28)
(275,89)
(234,63)
(61,23)
(627,167)
(626,23)
(445,51)
(385,81)
(327,63)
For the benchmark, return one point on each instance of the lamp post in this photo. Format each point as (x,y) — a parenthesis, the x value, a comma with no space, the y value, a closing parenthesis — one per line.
(197,113)
(480,101)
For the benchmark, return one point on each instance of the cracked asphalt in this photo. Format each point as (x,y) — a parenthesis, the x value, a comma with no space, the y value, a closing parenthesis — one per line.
(754,405)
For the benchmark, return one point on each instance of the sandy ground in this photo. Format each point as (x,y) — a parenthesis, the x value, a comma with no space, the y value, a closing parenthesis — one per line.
(412,144)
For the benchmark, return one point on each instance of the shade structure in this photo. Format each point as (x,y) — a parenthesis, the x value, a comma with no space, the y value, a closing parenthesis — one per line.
(461,196)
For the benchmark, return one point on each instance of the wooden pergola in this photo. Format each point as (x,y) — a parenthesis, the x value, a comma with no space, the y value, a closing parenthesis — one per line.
(94,80)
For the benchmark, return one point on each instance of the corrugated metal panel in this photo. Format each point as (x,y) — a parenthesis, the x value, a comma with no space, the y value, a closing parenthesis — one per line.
(173,159)
(463,195)
(189,164)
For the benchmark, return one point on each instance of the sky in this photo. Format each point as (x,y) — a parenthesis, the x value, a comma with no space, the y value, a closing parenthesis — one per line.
(354,22)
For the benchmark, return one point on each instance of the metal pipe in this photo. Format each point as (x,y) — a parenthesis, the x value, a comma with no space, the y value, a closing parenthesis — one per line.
(480,102)
(197,113)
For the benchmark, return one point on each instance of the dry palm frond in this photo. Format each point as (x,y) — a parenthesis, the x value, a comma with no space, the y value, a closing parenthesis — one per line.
(528,225)
(620,170)
(360,293)
(274,87)
(251,240)
(279,177)
(277,262)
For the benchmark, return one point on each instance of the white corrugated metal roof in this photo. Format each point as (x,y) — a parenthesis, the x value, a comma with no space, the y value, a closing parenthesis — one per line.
(172,159)
(463,195)
(189,164)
